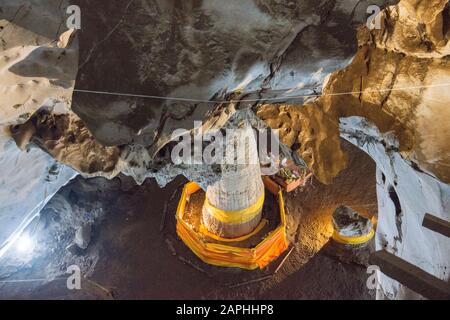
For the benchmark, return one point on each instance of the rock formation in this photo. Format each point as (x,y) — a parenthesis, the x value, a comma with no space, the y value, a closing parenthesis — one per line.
(197,51)
(390,101)
(393,81)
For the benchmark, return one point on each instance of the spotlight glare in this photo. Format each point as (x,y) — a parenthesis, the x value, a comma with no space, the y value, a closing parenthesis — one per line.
(24,244)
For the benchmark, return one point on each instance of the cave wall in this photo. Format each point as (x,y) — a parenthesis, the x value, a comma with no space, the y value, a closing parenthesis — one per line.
(405,194)
(196,48)
(398,80)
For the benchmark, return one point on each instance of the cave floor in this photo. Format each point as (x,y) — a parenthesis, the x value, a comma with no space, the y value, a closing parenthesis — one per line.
(130,258)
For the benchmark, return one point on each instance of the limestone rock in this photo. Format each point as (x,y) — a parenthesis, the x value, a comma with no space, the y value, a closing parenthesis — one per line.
(35,73)
(405,194)
(210,50)
(240,54)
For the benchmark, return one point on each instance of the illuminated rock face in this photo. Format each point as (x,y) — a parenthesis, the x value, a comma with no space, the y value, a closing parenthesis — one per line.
(405,195)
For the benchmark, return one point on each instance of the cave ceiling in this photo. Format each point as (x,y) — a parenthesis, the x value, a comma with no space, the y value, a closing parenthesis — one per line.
(146,68)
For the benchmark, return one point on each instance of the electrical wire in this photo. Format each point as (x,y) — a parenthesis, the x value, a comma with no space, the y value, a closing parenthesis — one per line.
(183,99)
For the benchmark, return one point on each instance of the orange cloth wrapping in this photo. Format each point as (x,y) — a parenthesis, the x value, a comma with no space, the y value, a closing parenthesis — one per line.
(226,255)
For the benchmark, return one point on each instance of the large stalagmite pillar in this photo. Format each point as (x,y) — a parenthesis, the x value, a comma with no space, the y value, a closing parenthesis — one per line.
(233,205)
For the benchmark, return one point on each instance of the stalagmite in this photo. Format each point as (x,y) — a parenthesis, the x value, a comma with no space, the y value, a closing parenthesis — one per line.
(233,205)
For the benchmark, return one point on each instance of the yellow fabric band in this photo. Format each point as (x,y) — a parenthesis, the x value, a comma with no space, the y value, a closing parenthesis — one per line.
(207,233)
(353,240)
(238,216)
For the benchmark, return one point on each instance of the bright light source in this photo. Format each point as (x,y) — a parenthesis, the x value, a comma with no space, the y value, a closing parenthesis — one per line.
(24,244)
